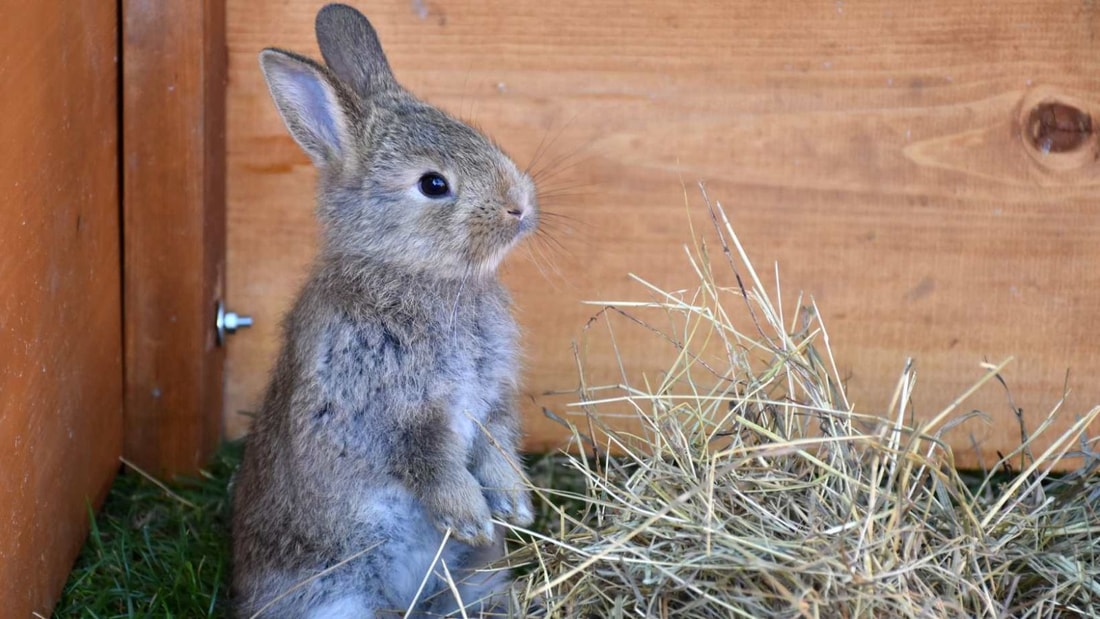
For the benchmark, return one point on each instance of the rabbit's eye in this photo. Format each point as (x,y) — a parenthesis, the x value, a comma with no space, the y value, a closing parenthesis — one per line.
(433,185)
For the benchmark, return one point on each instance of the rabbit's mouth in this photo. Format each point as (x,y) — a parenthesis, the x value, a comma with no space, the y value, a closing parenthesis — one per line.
(527,224)
(521,229)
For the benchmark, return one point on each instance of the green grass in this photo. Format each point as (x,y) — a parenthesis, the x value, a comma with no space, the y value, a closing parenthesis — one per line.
(155,554)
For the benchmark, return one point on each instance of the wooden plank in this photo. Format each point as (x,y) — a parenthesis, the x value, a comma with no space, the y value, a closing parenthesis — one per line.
(879,152)
(174,213)
(60,315)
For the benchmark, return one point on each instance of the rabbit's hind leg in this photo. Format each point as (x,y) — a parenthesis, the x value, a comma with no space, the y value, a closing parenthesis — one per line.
(348,607)
(483,594)
(483,591)
(323,598)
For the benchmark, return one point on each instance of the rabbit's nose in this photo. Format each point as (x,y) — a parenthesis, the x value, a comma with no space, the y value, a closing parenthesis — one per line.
(520,202)
(519,208)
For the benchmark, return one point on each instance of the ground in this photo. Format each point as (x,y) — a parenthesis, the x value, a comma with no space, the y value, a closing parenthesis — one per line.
(158,551)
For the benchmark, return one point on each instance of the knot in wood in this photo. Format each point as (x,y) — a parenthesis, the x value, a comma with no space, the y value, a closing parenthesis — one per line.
(1055,127)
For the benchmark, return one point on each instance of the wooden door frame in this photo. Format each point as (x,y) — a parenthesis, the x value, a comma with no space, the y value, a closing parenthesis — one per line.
(174,65)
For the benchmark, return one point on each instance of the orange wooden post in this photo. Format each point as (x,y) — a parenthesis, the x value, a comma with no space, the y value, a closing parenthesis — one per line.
(174,226)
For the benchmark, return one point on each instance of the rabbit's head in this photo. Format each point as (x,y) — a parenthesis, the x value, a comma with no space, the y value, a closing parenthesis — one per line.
(399,181)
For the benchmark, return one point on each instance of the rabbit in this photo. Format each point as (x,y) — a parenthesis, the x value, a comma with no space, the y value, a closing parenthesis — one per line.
(389,431)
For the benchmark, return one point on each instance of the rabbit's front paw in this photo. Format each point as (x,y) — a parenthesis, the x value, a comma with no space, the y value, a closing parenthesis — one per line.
(506,493)
(511,504)
(459,505)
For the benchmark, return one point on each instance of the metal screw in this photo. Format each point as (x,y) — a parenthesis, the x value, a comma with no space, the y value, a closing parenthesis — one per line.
(229,322)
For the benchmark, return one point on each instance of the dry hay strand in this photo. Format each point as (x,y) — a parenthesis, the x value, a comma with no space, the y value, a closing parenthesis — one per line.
(754,490)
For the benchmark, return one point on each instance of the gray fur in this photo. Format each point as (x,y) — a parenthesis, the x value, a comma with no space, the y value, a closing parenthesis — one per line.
(399,359)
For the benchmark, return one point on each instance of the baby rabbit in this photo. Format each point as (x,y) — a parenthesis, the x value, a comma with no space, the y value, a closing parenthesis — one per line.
(390,416)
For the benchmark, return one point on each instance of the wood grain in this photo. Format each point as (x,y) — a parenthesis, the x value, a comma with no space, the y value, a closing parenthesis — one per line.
(60,315)
(880,153)
(174,214)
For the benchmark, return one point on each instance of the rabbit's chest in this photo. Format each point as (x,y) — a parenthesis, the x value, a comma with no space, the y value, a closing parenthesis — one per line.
(474,375)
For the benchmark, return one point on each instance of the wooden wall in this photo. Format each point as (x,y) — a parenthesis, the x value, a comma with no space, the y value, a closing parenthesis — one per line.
(60,320)
(886,154)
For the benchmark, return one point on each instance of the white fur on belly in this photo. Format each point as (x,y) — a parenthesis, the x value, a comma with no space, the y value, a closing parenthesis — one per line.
(408,536)
(350,607)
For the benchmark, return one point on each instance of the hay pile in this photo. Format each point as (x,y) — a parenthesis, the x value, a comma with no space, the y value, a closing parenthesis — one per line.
(754,490)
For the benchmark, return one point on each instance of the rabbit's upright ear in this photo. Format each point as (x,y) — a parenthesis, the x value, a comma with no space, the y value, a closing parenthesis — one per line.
(309,103)
(351,49)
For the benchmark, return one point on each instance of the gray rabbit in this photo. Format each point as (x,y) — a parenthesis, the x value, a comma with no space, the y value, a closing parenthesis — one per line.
(390,416)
